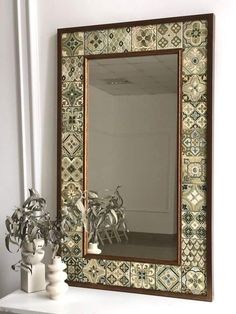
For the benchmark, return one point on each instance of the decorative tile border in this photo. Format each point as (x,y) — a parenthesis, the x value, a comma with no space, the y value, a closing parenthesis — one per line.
(192,36)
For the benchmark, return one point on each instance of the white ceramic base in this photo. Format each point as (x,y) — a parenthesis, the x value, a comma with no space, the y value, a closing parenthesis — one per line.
(35,281)
(56,277)
(93,248)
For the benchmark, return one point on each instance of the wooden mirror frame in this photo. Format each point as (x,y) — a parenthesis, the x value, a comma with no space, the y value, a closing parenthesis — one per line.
(191,276)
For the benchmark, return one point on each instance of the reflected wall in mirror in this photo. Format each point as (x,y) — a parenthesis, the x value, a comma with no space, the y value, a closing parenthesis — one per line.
(132,142)
(124,120)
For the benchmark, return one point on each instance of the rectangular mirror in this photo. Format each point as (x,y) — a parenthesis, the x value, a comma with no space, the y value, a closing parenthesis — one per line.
(135,117)
(133,143)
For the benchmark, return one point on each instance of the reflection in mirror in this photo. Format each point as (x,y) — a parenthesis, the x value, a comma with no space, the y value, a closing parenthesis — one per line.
(132,142)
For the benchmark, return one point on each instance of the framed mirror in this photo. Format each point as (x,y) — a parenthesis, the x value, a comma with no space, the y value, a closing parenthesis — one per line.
(134,119)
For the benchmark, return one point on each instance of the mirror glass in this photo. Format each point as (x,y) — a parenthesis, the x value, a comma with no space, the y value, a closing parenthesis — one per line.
(132,134)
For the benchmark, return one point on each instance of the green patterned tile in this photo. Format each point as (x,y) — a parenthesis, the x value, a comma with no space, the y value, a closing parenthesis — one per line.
(194,197)
(72,94)
(118,273)
(168,278)
(194,170)
(195,34)
(194,253)
(144,38)
(195,61)
(72,169)
(94,271)
(96,42)
(72,144)
(169,35)
(194,142)
(119,40)
(194,225)
(72,119)
(143,275)
(73,247)
(72,44)
(70,190)
(74,268)
(194,280)
(194,88)
(194,115)
(72,69)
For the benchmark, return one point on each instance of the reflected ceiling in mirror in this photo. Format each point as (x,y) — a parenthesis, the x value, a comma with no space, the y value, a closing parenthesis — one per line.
(133,143)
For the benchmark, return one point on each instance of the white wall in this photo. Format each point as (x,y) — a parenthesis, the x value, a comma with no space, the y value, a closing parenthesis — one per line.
(53,14)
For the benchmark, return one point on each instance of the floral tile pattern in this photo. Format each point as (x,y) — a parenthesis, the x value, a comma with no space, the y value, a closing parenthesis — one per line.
(96,42)
(72,94)
(72,44)
(119,40)
(194,197)
(169,35)
(195,34)
(94,271)
(194,253)
(72,119)
(193,280)
(144,38)
(194,88)
(168,278)
(118,273)
(194,115)
(195,61)
(194,170)
(192,36)
(194,142)
(143,275)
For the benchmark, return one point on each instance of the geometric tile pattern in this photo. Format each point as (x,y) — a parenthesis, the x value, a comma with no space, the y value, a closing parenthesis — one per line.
(143,275)
(169,35)
(194,253)
(193,280)
(168,278)
(192,36)
(119,40)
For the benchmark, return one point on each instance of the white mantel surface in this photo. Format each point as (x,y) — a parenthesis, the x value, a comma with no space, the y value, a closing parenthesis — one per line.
(92,301)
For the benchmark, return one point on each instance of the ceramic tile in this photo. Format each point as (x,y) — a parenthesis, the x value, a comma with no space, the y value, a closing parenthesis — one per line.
(72,169)
(143,275)
(72,119)
(195,61)
(194,225)
(195,34)
(72,144)
(94,271)
(194,197)
(72,94)
(168,278)
(119,40)
(144,38)
(72,69)
(70,190)
(74,268)
(73,247)
(194,253)
(194,170)
(194,115)
(118,273)
(194,88)
(194,142)
(169,35)
(96,42)
(193,280)
(72,44)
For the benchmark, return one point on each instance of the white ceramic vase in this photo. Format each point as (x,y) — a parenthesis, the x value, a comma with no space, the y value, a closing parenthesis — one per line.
(56,277)
(93,248)
(32,270)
